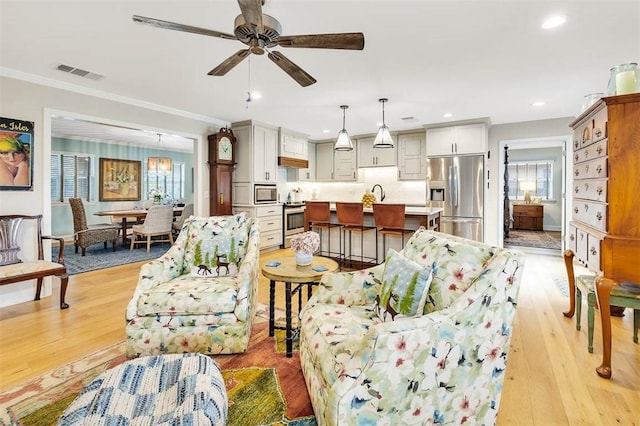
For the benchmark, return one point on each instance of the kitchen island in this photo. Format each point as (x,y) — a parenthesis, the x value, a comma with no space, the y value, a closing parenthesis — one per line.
(415,216)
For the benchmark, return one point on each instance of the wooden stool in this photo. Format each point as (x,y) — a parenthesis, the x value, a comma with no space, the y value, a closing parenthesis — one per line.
(318,216)
(389,220)
(351,218)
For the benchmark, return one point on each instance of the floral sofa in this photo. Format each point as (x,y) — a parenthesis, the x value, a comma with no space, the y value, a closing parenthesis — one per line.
(201,295)
(365,362)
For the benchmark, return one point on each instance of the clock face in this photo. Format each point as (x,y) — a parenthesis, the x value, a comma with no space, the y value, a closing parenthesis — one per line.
(225,149)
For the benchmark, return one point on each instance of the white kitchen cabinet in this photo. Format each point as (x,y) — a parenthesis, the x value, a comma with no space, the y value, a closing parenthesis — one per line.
(344,165)
(256,152)
(324,161)
(412,162)
(457,140)
(293,144)
(304,174)
(270,221)
(368,156)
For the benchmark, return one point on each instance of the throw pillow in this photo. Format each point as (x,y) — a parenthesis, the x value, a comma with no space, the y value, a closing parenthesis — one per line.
(215,257)
(404,289)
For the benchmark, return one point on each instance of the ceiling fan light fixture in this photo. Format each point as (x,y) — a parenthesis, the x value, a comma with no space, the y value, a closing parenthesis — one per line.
(383,137)
(343,141)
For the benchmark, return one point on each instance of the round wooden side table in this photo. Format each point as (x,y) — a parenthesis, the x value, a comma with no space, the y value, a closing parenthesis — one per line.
(286,271)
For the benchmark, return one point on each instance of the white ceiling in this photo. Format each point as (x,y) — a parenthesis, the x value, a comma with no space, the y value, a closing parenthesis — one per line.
(470,58)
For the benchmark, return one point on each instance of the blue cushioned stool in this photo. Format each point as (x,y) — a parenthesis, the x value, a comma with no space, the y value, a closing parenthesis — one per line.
(161,389)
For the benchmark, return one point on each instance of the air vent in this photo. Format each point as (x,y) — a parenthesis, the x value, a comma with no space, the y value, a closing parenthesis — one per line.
(79,72)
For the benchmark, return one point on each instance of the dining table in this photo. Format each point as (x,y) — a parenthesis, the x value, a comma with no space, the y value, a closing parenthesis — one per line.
(138,214)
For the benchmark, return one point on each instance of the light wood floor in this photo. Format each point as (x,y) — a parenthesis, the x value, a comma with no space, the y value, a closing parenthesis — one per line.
(550,377)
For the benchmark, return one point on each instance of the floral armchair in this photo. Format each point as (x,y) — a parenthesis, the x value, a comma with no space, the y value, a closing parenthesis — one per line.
(201,295)
(443,365)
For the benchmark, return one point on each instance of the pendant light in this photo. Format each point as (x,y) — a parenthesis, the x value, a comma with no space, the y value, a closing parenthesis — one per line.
(383,138)
(159,164)
(343,142)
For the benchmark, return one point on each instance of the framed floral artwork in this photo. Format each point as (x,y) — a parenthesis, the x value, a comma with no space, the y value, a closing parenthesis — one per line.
(120,180)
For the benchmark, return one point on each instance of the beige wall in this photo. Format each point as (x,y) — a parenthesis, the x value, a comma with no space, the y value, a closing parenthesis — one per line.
(30,101)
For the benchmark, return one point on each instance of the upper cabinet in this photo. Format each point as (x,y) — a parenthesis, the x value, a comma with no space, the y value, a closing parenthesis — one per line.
(412,162)
(368,156)
(293,148)
(335,165)
(257,151)
(307,174)
(456,140)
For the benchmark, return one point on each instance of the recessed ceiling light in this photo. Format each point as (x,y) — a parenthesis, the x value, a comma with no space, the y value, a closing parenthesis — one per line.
(326,131)
(553,22)
(537,104)
(447,115)
(256,95)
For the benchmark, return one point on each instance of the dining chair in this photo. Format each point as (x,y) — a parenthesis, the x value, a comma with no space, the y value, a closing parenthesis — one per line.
(157,223)
(186,212)
(85,235)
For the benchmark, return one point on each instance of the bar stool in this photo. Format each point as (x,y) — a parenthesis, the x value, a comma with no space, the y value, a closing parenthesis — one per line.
(389,220)
(318,216)
(351,218)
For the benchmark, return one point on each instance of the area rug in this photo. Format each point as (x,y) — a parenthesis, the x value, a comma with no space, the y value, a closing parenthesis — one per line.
(537,239)
(97,257)
(263,386)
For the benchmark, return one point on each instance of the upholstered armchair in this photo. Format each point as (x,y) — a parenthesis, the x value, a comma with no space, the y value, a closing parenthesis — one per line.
(368,359)
(86,235)
(201,295)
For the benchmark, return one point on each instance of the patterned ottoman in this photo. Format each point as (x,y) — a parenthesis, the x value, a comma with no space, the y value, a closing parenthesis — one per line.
(184,389)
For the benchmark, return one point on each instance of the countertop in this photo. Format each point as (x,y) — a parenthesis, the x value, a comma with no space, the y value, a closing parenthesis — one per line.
(409,210)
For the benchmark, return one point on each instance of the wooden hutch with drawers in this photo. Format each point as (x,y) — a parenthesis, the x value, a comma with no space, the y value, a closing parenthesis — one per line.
(604,234)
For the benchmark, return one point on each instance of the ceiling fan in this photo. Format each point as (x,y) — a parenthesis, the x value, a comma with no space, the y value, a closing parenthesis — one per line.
(262,32)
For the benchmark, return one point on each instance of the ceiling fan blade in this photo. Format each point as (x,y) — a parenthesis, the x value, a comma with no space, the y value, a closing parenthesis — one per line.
(252,13)
(297,73)
(181,27)
(350,41)
(230,62)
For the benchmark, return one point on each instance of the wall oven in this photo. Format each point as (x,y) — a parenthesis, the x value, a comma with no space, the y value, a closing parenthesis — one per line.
(292,222)
(265,194)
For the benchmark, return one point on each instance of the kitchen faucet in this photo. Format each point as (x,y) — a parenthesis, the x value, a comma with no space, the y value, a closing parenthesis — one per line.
(381,191)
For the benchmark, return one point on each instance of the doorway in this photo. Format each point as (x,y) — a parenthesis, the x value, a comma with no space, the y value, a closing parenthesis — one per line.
(553,149)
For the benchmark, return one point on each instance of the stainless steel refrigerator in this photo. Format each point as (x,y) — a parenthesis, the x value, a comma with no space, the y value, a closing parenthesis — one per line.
(456,183)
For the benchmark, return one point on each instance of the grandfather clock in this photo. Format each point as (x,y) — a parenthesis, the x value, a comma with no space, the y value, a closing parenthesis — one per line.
(222,156)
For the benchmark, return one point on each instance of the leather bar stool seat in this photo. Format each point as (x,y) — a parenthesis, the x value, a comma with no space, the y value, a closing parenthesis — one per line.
(318,217)
(351,218)
(389,219)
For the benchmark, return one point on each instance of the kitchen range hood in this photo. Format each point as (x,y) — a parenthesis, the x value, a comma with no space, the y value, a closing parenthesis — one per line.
(293,162)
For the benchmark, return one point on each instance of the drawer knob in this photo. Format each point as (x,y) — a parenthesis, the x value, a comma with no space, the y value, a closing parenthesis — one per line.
(575,143)
(576,190)
(572,237)
(599,149)
(599,216)
(576,157)
(599,169)
(597,132)
(582,236)
(586,207)
(593,251)
(576,172)
(586,186)
(586,153)
(586,169)
(575,210)
(599,190)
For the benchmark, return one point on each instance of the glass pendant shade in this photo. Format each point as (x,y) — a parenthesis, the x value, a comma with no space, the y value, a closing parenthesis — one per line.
(343,141)
(159,164)
(383,137)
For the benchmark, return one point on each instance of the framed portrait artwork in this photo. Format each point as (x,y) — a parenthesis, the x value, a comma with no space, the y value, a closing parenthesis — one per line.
(119,180)
(16,156)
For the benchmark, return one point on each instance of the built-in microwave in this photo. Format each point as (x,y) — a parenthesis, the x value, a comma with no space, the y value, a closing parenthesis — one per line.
(265,194)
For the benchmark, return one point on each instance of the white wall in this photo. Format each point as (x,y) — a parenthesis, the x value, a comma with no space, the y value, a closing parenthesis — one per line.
(30,101)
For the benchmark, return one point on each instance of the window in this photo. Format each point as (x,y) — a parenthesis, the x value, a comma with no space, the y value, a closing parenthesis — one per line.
(537,173)
(171,184)
(71,176)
